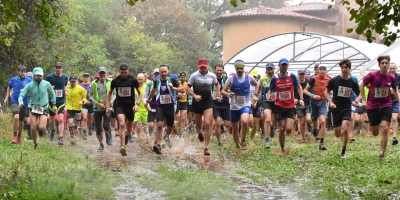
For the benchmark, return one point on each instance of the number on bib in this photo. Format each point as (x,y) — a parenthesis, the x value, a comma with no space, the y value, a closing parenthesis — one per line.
(165,99)
(190,102)
(59,93)
(124,91)
(37,110)
(240,100)
(283,96)
(381,92)
(273,96)
(344,91)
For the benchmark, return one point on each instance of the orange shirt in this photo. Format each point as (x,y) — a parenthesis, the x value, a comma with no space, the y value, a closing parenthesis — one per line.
(319,83)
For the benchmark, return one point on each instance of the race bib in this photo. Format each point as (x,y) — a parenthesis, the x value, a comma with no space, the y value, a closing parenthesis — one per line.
(381,92)
(214,95)
(190,102)
(273,96)
(124,91)
(165,99)
(37,110)
(344,91)
(283,96)
(59,93)
(240,100)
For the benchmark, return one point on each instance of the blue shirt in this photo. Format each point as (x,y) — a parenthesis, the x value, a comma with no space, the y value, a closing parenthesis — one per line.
(353,95)
(17,84)
(59,84)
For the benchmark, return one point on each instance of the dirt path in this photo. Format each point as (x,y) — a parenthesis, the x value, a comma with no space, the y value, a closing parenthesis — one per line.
(186,152)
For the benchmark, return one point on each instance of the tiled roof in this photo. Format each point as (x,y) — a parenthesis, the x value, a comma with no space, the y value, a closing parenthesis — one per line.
(266,11)
(311,6)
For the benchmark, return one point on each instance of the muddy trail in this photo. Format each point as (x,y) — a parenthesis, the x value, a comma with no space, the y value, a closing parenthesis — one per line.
(184,152)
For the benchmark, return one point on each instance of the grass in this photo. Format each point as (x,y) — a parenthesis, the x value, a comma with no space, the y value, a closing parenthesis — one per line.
(324,174)
(50,172)
(188,183)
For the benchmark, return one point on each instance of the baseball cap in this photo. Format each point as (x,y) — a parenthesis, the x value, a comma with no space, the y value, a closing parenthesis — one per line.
(156,70)
(270,65)
(283,61)
(202,62)
(182,74)
(86,74)
(80,80)
(307,72)
(29,74)
(58,64)
(123,66)
(254,73)
(301,71)
(321,66)
(316,66)
(102,69)
(72,78)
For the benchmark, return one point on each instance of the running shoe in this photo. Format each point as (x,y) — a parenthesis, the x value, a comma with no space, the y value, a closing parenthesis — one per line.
(321,147)
(382,156)
(238,149)
(224,136)
(157,149)
(108,138)
(122,150)
(72,141)
(131,138)
(18,140)
(369,134)
(315,132)
(101,148)
(116,133)
(60,141)
(358,132)
(35,146)
(352,140)
(244,145)
(14,140)
(167,140)
(201,137)
(281,152)
(219,143)
(267,145)
(343,155)
(84,136)
(206,151)
(51,135)
(395,141)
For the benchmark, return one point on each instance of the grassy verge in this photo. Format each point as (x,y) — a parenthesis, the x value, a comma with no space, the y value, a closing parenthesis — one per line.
(188,183)
(323,173)
(50,172)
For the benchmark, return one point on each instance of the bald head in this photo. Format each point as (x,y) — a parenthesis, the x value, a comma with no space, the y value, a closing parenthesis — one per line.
(140,78)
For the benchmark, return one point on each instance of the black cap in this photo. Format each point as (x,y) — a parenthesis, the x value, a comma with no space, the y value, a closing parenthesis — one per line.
(73,78)
(58,64)
(80,80)
(21,67)
(123,66)
(182,74)
(301,71)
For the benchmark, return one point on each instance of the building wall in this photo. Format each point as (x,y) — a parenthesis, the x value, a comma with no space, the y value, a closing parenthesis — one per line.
(238,34)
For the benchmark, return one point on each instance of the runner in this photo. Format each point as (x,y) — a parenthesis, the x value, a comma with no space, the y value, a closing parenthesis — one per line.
(164,89)
(268,103)
(256,109)
(140,119)
(201,82)
(124,104)
(75,99)
(395,106)
(241,101)
(59,82)
(181,110)
(87,109)
(151,116)
(379,102)
(319,108)
(27,126)
(303,112)
(284,86)
(39,91)
(98,94)
(16,84)
(342,87)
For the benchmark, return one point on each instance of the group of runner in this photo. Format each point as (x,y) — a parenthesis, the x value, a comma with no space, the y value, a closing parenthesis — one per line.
(218,102)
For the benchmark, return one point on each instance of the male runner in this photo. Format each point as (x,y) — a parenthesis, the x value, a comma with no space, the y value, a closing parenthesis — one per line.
(140,120)
(395,106)
(181,110)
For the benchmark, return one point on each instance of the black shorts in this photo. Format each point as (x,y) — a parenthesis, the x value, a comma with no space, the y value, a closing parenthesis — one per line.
(269,105)
(256,112)
(151,116)
(377,115)
(340,114)
(126,110)
(302,111)
(283,113)
(199,108)
(181,106)
(359,111)
(22,112)
(60,108)
(72,113)
(222,110)
(89,108)
(165,113)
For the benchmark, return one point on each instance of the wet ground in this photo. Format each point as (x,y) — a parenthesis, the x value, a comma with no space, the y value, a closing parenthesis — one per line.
(185,152)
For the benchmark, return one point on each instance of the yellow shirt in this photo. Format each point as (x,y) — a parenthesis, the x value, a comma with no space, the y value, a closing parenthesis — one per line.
(184,97)
(74,96)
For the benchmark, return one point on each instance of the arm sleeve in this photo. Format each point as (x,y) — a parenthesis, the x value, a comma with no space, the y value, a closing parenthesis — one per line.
(272,84)
(112,84)
(154,84)
(191,80)
(356,88)
(367,79)
(175,83)
(252,79)
(294,79)
(52,94)
(330,85)
(228,81)
(215,80)
(90,96)
(146,92)
(23,93)
(10,83)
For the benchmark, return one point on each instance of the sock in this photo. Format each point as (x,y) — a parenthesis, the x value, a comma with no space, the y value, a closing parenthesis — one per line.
(101,144)
(15,133)
(19,134)
(321,141)
(394,138)
(266,139)
(283,148)
(343,150)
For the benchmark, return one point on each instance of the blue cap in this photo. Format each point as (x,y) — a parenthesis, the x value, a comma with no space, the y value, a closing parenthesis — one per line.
(270,65)
(301,71)
(283,61)
(307,71)
(316,66)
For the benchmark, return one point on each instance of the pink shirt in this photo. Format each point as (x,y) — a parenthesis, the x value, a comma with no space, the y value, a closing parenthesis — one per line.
(379,95)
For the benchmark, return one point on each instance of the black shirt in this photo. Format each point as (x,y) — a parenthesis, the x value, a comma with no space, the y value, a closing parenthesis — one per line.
(125,90)
(306,98)
(342,91)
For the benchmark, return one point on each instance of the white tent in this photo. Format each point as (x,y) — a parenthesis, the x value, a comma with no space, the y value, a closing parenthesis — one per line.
(304,50)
